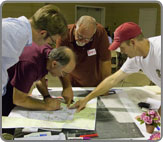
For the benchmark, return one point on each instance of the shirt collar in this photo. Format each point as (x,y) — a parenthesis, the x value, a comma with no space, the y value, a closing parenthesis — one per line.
(30,35)
(29,42)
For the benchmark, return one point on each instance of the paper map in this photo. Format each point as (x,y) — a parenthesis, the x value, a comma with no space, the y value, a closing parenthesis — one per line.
(59,115)
(53,119)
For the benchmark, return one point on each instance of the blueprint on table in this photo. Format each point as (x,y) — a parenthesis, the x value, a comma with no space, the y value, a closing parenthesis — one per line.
(51,119)
(59,115)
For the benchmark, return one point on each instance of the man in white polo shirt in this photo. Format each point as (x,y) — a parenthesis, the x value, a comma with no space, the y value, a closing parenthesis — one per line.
(45,26)
(144,54)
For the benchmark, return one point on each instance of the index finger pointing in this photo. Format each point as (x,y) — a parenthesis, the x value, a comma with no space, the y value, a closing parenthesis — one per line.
(74,106)
(69,103)
(80,108)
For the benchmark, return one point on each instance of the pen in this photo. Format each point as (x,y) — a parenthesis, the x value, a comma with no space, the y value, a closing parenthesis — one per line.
(112,92)
(115,89)
(79,138)
(43,135)
(158,128)
(89,135)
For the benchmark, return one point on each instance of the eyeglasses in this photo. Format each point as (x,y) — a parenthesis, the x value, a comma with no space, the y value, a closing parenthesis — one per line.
(80,37)
(63,73)
(53,43)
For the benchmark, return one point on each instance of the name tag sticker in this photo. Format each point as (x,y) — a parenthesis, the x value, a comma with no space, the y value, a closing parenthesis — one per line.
(91,52)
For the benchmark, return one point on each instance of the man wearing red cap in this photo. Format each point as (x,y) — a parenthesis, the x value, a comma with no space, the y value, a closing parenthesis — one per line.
(144,54)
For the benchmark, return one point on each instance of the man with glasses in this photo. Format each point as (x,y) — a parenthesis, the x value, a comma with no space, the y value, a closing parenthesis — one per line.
(34,64)
(88,39)
(46,24)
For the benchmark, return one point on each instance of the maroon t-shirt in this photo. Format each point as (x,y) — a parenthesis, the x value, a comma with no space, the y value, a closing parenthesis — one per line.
(30,68)
(87,72)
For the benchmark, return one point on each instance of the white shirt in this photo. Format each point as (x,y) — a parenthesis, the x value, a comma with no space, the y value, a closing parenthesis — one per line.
(151,65)
(110,39)
(16,34)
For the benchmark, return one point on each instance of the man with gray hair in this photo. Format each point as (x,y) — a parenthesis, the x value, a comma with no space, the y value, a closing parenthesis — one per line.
(34,63)
(88,39)
(89,24)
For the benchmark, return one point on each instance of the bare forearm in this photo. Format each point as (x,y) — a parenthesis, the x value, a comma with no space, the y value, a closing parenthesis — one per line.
(42,87)
(107,84)
(65,81)
(102,88)
(22,99)
(31,103)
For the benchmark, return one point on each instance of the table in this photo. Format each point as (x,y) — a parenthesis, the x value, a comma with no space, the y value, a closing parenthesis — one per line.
(113,119)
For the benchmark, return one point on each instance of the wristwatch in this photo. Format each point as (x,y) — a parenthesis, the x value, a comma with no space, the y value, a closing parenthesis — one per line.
(48,96)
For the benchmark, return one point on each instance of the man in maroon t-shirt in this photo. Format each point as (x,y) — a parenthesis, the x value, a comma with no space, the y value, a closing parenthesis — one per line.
(34,63)
(89,40)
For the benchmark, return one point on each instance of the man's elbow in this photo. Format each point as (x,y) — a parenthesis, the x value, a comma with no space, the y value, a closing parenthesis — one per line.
(19,99)
(38,84)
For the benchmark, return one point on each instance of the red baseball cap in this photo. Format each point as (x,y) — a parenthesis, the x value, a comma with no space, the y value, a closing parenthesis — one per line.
(124,32)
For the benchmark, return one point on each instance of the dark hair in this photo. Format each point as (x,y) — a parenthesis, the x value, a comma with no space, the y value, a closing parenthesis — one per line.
(50,19)
(60,55)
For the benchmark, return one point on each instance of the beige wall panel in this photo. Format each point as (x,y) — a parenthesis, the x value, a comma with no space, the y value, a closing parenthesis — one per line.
(124,12)
(115,13)
(20,9)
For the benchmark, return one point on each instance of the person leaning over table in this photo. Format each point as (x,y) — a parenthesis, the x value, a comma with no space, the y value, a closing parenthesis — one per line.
(144,54)
(43,27)
(34,63)
(89,40)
